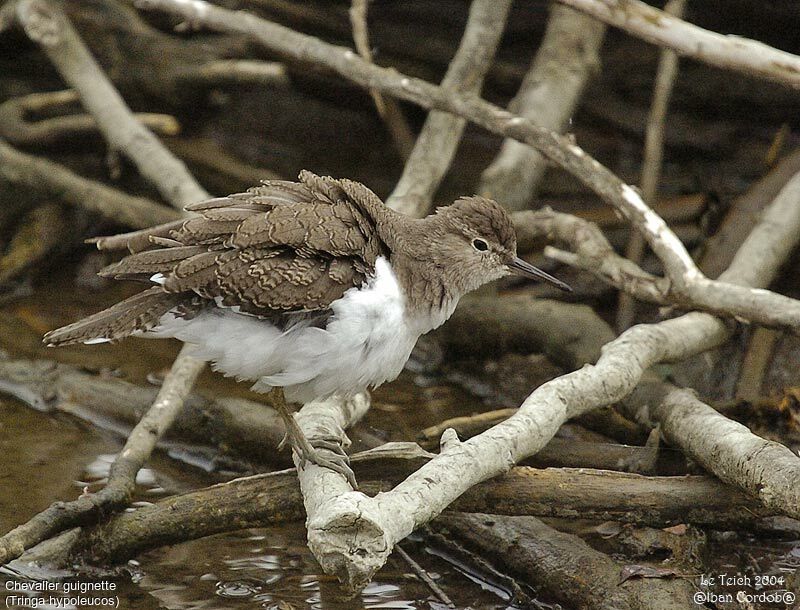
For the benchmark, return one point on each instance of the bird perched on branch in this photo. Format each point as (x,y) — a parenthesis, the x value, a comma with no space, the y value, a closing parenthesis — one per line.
(311,288)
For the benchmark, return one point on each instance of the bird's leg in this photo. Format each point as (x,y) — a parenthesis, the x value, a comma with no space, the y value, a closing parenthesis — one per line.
(307,450)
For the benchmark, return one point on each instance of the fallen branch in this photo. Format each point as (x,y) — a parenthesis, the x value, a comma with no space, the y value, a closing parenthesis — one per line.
(49,27)
(764,469)
(437,142)
(549,94)
(724,51)
(41,175)
(89,508)
(686,280)
(273,498)
(558,564)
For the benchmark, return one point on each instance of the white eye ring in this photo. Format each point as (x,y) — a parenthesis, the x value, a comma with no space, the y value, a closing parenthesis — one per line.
(480,245)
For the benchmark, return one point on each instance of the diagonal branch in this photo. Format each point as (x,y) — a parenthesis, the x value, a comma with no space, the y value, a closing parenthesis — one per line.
(50,28)
(42,175)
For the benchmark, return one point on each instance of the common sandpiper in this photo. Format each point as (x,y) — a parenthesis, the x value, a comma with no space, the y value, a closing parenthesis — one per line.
(309,288)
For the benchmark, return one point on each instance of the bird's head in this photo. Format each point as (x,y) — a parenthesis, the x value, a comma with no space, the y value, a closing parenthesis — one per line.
(478,244)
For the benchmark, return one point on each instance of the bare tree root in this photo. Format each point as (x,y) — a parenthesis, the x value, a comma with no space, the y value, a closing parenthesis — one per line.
(549,94)
(765,469)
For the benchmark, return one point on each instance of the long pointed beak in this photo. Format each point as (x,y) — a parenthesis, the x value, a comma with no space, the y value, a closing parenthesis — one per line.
(520,267)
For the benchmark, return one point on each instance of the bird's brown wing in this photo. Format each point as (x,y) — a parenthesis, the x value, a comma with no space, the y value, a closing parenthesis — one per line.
(279,247)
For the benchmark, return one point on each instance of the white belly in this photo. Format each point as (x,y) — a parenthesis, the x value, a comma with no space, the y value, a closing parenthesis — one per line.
(366,342)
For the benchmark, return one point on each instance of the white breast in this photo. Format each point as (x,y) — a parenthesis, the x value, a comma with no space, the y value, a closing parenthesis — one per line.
(366,342)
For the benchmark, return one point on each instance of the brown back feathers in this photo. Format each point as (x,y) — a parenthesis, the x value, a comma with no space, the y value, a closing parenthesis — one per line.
(279,248)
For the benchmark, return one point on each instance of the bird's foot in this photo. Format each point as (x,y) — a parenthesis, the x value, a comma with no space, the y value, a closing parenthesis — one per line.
(310,451)
(339,461)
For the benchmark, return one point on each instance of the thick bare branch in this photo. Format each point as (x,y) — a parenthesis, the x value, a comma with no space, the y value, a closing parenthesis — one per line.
(548,96)
(765,469)
(41,175)
(437,142)
(269,499)
(724,51)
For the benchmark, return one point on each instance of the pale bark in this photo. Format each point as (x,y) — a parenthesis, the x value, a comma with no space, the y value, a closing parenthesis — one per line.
(437,142)
(724,51)
(49,27)
(548,96)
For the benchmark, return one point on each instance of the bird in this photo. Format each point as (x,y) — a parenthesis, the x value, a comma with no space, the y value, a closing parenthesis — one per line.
(309,289)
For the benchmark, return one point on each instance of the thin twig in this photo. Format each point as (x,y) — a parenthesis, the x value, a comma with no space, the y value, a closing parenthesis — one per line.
(51,29)
(116,494)
(653,156)
(437,142)
(425,577)
(388,108)
(724,51)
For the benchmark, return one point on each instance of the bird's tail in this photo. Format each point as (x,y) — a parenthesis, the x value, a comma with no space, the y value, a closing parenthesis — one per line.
(140,312)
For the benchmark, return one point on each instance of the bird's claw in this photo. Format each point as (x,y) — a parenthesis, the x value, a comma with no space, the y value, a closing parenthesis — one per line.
(339,462)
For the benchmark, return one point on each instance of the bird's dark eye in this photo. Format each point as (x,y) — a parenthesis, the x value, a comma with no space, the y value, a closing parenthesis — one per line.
(480,245)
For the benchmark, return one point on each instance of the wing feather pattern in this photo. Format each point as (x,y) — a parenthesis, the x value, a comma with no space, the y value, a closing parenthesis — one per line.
(279,248)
